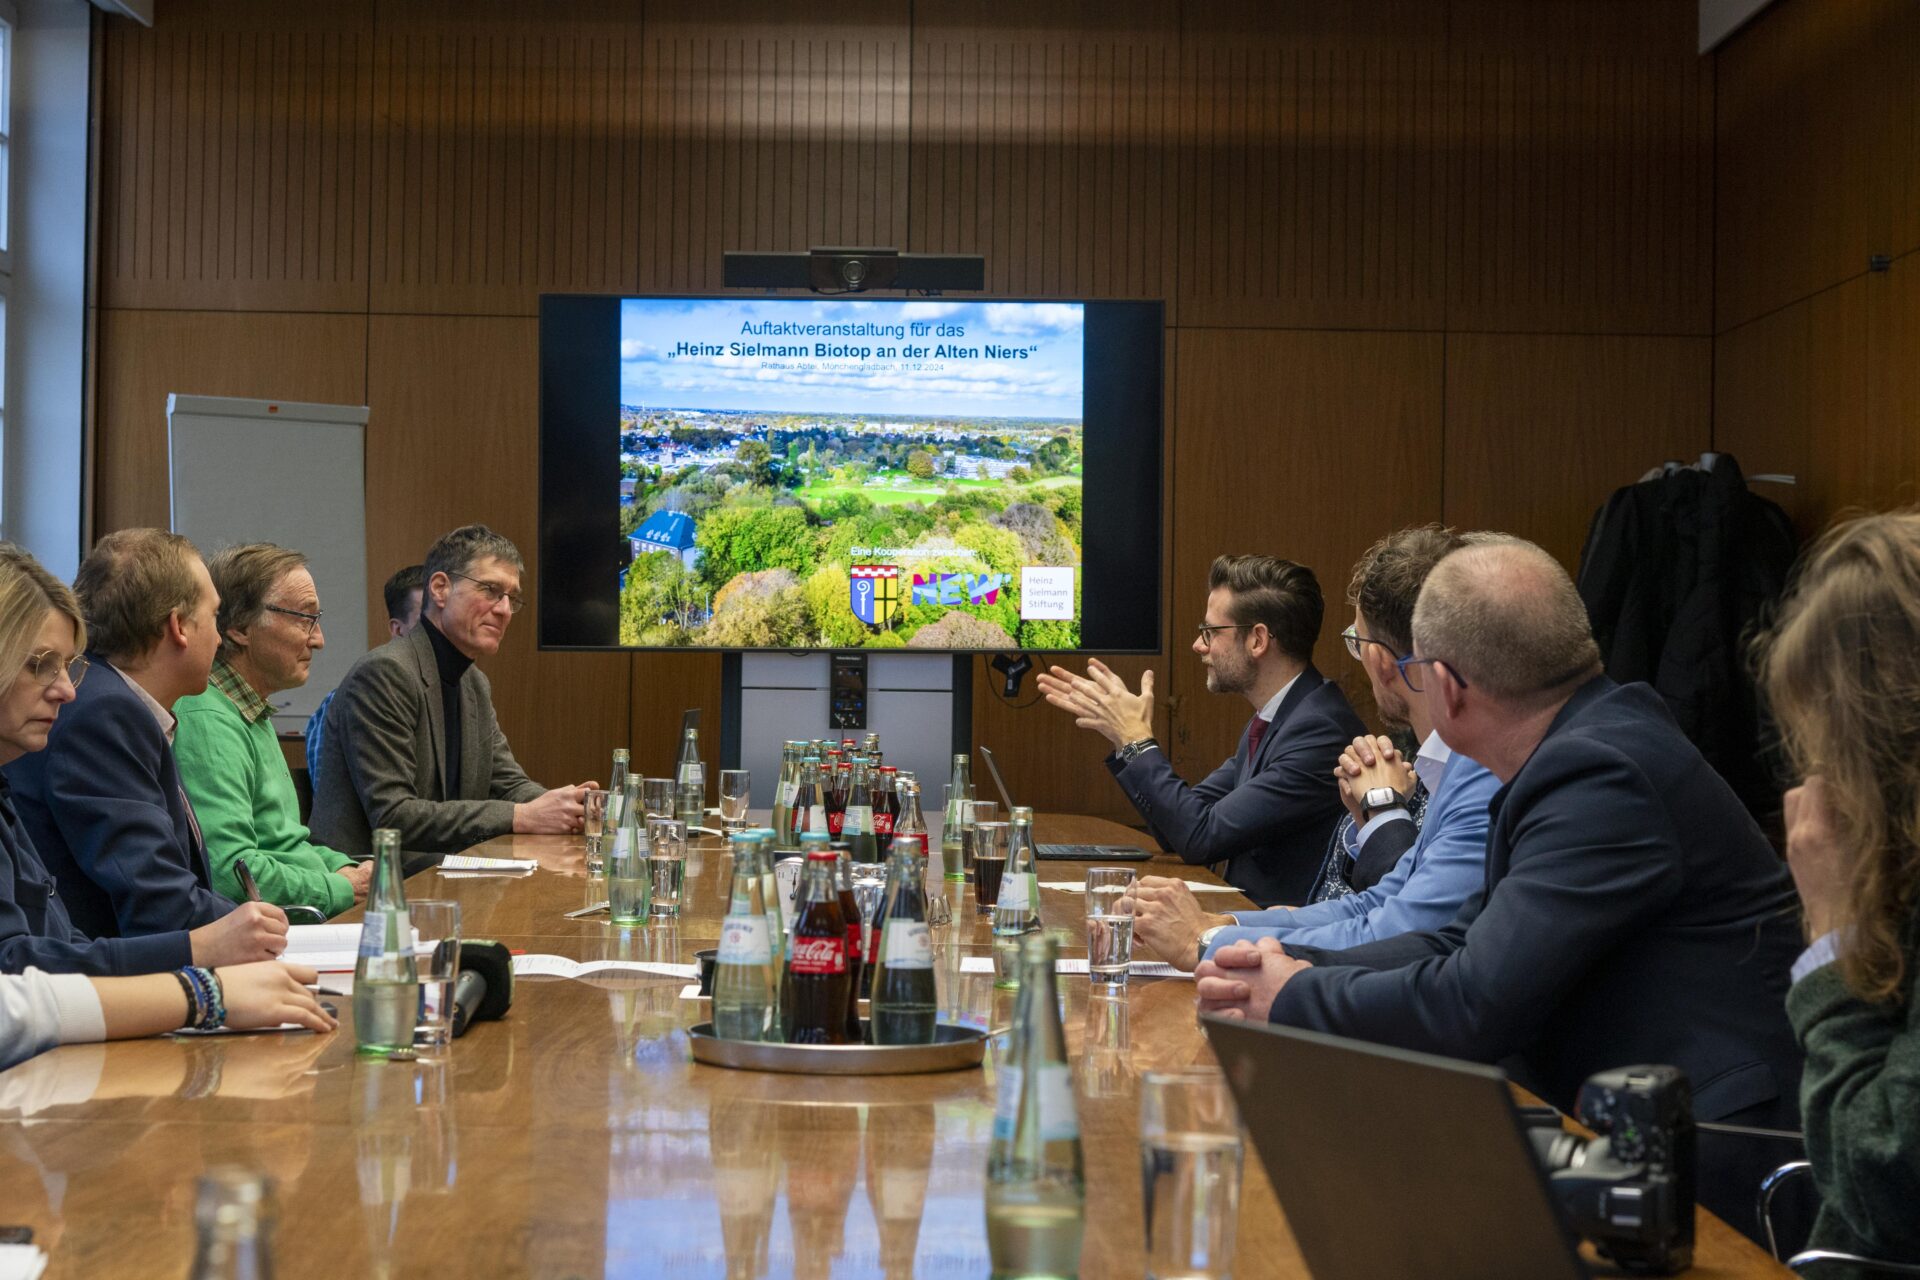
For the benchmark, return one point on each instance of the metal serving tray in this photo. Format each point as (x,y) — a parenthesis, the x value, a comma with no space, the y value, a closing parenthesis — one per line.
(953,1049)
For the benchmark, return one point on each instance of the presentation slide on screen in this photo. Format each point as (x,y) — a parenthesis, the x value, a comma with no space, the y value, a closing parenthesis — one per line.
(837,473)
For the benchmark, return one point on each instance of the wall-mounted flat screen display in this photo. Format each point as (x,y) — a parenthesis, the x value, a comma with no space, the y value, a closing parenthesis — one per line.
(802,473)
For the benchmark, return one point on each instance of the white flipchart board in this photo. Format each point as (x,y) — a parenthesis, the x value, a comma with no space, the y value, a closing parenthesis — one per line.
(273,471)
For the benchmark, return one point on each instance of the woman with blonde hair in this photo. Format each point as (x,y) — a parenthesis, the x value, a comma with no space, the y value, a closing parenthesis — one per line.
(41,637)
(1841,672)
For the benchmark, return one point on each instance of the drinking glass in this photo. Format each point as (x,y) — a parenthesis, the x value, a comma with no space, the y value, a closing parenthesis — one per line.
(990,840)
(666,863)
(1109,924)
(594,804)
(437,923)
(973,813)
(1190,1156)
(657,795)
(736,787)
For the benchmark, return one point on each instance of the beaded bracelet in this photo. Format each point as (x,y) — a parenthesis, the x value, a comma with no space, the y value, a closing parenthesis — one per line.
(195,1010)
(209,999)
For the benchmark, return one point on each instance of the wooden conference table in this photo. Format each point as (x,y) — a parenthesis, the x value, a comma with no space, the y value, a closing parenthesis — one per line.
(576,1137)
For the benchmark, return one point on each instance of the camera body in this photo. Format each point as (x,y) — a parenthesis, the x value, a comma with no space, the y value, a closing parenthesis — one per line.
(1630,1189)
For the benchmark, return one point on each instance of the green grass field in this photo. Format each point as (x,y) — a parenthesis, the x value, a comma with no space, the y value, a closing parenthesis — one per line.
(917,491)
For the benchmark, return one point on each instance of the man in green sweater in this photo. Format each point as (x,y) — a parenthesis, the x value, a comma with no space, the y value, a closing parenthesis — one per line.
(230,758)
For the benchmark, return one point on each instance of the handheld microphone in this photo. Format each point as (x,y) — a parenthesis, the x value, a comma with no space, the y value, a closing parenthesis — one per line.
(484,989)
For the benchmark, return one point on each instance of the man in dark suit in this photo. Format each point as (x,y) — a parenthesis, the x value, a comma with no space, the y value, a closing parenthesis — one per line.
(1267,812)
(411,740)
(1632,911)
(103,803)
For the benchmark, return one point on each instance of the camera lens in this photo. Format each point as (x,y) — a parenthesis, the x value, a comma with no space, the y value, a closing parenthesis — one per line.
(853,271)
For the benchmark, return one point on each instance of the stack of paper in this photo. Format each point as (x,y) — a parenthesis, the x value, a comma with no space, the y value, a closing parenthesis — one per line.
(21,1261)
(494,866)
(544,966)
(331,948)
(1140,968)
(1080,886)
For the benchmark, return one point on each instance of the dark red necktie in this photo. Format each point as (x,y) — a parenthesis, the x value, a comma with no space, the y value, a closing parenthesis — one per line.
(1255,731)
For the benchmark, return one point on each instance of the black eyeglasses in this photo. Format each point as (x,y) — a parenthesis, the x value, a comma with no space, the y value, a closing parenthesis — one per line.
(1207,629)
(495,593)
(1406,666)
(1354,640)
(308,621)
(45,667)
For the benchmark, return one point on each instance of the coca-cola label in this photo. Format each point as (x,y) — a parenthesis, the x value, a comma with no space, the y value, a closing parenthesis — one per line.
(810,956)
(882,823)
(906,944)
(858,820)
(1016,892)
(1059,1121)
(836,822)
(745,940)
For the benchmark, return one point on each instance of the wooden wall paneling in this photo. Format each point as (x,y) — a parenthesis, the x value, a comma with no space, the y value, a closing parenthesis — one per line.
(1042,139)
(451,442)
(1837,422)
(145,355)
(1816,150)
(507,155)
(1542,428)
(235,153)
(1313,170)
(764,130)
(664,685)
(1583,192)
(1762,411)
(1303,445)
(1879,467)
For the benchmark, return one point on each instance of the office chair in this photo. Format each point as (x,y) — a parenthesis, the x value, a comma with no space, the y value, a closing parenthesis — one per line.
(1800,1262)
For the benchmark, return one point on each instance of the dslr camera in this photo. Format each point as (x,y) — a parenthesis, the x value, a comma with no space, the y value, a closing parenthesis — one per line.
(1629,1189)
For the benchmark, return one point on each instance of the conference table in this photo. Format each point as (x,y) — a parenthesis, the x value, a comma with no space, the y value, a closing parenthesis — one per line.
(577,1138)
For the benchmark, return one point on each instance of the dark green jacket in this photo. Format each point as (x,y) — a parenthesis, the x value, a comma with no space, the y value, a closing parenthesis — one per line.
(1860,1105)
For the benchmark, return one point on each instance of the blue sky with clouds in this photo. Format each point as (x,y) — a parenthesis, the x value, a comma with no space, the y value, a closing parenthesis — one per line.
(1048,384)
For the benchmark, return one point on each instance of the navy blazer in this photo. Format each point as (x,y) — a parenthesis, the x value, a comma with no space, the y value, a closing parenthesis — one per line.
(104,807)
(36,931)
(1632,913)
(1269,816)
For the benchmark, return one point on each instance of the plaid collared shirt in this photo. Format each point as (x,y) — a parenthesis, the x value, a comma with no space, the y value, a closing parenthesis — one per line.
(252,707)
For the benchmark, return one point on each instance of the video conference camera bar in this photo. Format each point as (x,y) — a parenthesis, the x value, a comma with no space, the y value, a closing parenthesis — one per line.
(844,270)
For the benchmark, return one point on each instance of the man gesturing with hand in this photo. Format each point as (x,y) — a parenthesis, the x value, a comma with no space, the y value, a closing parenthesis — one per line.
(1265,814)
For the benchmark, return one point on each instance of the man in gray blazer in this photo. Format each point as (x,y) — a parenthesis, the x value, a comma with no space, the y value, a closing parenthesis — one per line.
(411,740)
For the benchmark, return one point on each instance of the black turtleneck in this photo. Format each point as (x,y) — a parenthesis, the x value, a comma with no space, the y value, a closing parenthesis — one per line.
(452,665)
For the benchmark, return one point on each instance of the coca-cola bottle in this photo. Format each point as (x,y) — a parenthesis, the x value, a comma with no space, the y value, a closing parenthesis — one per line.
(837,778)
(849,912)
(886,806)
(809,803)
(813,991)
(905,1003)
(857,829)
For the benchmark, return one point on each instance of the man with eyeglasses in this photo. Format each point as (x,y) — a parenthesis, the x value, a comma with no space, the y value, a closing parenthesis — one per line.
(411,739)
(103,803)
(1412,850)
(1267,812)
(1631,911)
(230,757)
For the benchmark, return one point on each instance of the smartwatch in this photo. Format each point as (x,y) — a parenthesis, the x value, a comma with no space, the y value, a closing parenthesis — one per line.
(1380,799)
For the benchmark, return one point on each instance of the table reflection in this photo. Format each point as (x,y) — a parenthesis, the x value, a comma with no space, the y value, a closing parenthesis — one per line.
(405,1144)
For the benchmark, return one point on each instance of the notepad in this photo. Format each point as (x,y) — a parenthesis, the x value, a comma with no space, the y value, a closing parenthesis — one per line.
(1140,968)
(544,966)
(1079,886)
(331,948)
(21,1261)
(498,866)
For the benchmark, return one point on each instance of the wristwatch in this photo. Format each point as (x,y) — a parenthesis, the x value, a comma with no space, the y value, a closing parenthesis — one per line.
(1138,746)
(1379,799)
(1206,940)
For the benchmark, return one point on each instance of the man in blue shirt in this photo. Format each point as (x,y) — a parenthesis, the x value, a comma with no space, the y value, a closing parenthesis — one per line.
(1428,867)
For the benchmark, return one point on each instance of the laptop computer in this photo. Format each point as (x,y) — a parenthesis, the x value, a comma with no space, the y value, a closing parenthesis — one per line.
(1064,852)
(1392,1163)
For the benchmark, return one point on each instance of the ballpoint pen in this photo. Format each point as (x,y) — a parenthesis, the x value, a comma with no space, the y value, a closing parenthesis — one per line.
(246,879)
